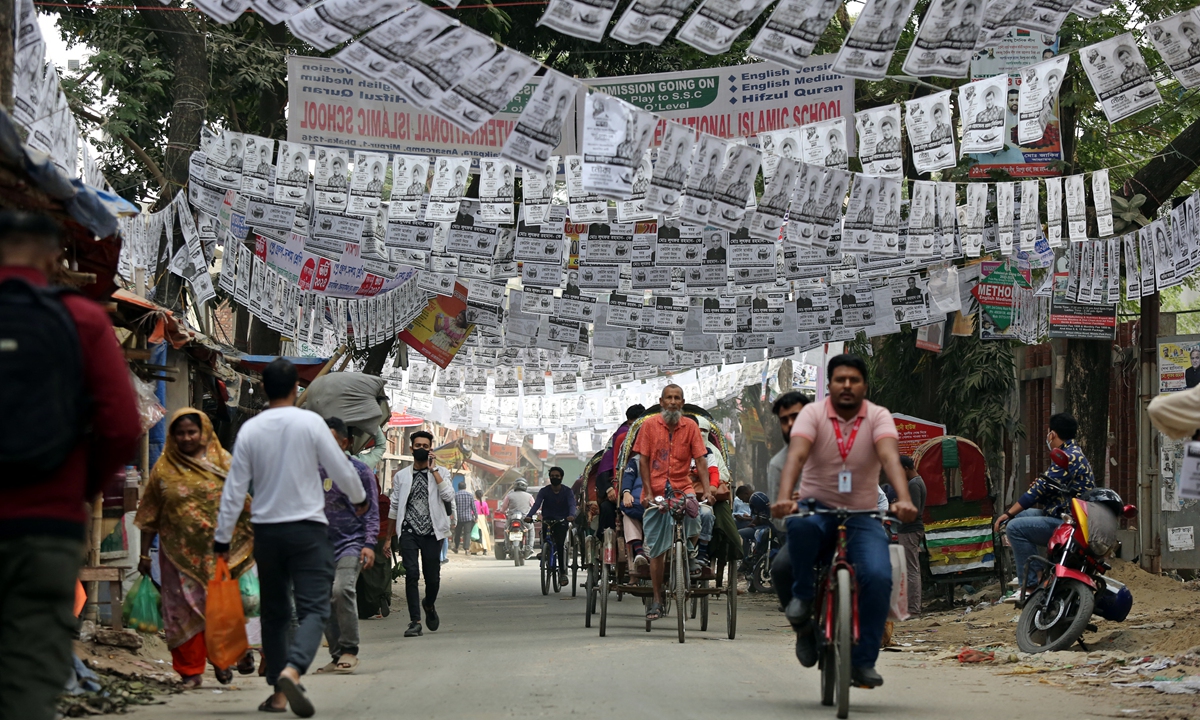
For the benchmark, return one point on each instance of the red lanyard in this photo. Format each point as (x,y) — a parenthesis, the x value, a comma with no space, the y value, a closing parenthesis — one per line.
(845,446)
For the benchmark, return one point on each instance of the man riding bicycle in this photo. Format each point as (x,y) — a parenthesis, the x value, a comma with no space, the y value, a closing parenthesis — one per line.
(558,508)
(841,444)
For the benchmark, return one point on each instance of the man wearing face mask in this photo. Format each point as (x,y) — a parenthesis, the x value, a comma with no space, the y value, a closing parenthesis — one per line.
(556,503)
(419,496)
(1069,476)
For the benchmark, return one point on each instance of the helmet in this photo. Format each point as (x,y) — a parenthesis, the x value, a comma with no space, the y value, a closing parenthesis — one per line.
(520,485)
(760,504)
(1106,497)
(1112,605)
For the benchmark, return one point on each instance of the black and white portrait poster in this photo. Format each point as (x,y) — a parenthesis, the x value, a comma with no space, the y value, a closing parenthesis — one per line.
(879,141)
(856,305)
(1076,208)
(582,206)
(333,22)
(496,189)
(291,173)
(1177,40)
(946,39)
(223,165)
(976,218)
(908,299)
(767,221)
(223,11)
(777,145)
(1005,208)
(537,192)
(922,220)
(734,187)
(983,113)
(1102,195)
(1133,270)
(930,132)
(615,134)
(708,161)
(792,31)
(586,19)
(948,220)
(410,175)
(258,166)
(717,23)
(885,229)
(649,21)
(825,143)
(1054,218)
(868,48)
(1043,16)
(671,169)
(331,179)
(438,66)
(1030,225)
(1120,77)
(450,175)
(485,92)
(366,184)
(29,64)
(539,128)
(392,42)
(634,209)
(860,214)
(1037,98)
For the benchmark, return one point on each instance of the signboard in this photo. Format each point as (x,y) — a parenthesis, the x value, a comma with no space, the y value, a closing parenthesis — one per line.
(914,432)
(1178,363)
(1085,322)
(441,328)
(329,104)
(1019,49)
(403,419)
(995,294)
(738,101)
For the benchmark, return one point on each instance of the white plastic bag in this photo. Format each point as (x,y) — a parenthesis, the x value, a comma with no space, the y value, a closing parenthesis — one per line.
(898,608)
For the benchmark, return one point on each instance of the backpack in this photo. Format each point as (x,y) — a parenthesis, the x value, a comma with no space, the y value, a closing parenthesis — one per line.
(42,398)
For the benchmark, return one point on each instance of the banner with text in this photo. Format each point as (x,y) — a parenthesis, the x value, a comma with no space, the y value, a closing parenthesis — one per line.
(329,104)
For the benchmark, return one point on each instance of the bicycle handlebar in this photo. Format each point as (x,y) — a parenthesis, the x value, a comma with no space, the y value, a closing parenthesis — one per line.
(810,508)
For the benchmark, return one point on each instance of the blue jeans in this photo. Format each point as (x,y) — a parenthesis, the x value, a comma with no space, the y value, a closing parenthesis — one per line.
(811,539)
(1028,531)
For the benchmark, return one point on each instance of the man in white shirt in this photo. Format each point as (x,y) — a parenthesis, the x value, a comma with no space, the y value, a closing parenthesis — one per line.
(418,514)
(280,450)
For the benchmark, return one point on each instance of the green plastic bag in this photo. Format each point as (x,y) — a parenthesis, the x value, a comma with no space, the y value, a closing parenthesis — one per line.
(251,598)
(141,607)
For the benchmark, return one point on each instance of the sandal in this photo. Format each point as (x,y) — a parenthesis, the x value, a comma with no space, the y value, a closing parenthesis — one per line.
(223,676)
(297,699)
(329,667)
(268,707)
(654,612)
(345,665)
(191,682)
(245,666)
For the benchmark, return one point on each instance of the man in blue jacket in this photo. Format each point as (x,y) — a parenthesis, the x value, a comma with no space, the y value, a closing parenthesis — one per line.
(556,503)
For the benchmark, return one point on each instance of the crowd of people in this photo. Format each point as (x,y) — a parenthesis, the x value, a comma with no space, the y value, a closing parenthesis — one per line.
(319,529)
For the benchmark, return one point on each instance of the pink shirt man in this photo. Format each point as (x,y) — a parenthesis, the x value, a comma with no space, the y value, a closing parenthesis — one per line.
(819,478)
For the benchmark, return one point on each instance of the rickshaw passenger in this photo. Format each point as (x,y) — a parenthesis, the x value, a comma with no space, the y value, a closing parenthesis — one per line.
(606,494)
(668,443)
(631,513)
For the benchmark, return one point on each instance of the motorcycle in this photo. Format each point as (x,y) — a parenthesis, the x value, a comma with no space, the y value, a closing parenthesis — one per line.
(515,540)
(1073,586)
(767,543)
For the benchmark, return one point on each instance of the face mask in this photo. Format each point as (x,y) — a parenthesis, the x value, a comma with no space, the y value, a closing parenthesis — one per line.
(556,481)
(421,455)
(1049,445)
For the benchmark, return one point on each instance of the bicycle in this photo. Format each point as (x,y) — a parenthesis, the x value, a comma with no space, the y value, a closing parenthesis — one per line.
(836,604)
(549,562)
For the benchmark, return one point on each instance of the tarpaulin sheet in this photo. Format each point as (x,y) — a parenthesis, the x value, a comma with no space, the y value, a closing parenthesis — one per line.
(349,396)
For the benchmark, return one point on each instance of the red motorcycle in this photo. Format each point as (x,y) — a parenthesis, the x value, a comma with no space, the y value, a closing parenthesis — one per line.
(1073,586)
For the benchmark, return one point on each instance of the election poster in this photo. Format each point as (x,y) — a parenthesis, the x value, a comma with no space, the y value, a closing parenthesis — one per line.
(441,329)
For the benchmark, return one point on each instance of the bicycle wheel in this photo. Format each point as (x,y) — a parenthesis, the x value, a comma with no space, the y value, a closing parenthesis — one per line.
(574,544)
(681,588)
(731,591)
(827,675)
(603,590)
(704,612)
(589,590)
(554,570)
(842,642)
(542,567)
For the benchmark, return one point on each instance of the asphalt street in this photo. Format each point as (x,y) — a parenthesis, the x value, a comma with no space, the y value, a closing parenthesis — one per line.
(505,650)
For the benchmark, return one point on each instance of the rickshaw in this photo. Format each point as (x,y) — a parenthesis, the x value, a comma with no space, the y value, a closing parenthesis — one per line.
(581,537)
(615,574)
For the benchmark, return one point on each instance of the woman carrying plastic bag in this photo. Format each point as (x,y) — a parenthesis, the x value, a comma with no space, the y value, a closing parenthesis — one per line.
(180,506)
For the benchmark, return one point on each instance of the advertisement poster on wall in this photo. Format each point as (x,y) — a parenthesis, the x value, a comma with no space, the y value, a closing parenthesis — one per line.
(440,330)
(1178,363)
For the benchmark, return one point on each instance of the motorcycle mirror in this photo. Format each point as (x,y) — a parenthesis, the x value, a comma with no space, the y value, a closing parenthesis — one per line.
(1130,511)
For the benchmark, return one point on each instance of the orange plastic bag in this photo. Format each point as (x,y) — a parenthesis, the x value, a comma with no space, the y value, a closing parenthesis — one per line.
(224,619)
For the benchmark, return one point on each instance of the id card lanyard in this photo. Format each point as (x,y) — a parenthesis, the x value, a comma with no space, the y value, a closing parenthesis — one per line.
(844,447)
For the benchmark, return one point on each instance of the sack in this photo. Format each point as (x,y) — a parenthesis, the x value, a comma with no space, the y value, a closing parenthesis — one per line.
(42,416)
(251,598)
(224,619)
(898,608)
(141,608)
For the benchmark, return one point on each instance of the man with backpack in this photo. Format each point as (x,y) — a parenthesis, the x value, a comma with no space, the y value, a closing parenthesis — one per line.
(70,421)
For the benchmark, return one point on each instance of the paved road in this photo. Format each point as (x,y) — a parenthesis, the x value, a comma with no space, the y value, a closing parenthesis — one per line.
(504,650)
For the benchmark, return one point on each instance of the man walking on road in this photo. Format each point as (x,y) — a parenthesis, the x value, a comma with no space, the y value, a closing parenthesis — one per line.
(465,513)
(43,511)
(282,451)
(558,508)
(353,538)
(912,535)
(667,444)
(419,494)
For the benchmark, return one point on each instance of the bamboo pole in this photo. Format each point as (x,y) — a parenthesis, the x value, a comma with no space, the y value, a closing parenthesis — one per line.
(325,371)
